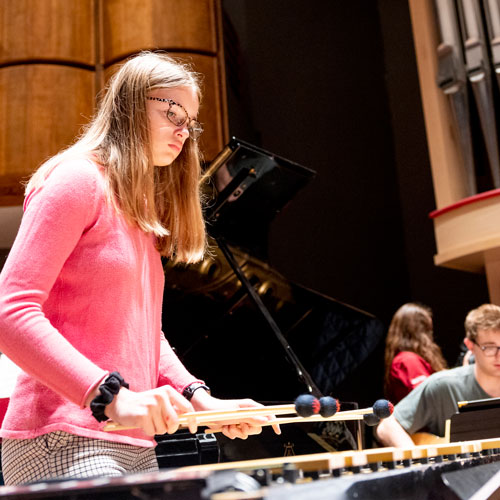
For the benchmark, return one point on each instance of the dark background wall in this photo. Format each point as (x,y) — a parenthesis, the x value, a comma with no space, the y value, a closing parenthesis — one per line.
(333,85)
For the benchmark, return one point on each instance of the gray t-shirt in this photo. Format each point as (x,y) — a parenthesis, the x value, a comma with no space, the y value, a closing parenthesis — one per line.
(430,404)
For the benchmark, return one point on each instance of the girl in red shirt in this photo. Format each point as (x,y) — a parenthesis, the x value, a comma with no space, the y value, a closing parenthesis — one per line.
(411,354)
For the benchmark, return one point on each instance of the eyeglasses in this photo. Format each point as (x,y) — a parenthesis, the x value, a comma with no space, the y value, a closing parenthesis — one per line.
(488,350)
(177,115)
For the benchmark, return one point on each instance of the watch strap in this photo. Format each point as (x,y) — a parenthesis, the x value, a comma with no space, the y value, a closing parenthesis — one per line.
(188,392)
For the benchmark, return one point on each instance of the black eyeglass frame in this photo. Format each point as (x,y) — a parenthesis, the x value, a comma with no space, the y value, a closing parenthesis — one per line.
(491,347)
(194,130)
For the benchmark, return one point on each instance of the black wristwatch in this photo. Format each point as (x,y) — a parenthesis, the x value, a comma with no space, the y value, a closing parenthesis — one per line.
(188,392)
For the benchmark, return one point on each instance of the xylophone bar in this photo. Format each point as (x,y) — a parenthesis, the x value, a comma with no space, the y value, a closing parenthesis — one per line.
(325,475)
(319,462)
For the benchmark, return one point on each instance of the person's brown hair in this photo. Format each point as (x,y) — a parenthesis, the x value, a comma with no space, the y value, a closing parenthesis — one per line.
(485,317)
(411,329)
(164,201)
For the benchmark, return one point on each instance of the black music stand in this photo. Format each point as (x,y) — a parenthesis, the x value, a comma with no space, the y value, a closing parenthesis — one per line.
(464,424)
(250,186)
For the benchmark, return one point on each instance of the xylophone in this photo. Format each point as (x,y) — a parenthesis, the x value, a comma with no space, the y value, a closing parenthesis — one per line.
(468,469)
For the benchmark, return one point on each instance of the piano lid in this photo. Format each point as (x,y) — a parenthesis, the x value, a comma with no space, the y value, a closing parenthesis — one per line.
(249,187)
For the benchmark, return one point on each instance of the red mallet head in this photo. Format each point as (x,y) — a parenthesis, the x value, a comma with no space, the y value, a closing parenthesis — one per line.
(383,408)
(306,405)
(328,406)
(370,419)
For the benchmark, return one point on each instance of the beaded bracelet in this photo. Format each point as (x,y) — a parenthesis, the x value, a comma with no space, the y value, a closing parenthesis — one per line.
(108,389)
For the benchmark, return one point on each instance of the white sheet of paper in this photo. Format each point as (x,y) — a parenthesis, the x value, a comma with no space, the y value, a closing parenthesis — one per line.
(8,376)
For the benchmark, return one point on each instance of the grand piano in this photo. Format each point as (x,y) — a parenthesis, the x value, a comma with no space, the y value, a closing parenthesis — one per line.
(237,322)
(247,330)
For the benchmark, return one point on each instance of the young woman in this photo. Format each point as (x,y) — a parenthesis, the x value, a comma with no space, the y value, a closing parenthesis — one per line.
(81,291)
(410,352)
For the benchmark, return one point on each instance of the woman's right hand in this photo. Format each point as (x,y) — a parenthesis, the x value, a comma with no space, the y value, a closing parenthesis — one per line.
(155,411)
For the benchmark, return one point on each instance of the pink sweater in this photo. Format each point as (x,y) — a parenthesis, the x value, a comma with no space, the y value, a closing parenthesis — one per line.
(80,295)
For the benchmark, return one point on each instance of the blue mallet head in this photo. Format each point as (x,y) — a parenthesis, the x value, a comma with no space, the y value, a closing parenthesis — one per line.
(307,405)
(383,408)
(370,419)
(328,406)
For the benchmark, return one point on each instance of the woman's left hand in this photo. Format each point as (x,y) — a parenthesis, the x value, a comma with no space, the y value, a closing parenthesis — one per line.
(202,401)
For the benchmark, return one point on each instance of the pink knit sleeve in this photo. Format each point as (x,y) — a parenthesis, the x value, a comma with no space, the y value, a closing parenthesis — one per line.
(55,217)
(172,371)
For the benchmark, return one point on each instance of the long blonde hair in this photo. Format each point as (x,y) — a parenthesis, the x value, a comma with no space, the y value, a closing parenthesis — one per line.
(411,329)
(165,201)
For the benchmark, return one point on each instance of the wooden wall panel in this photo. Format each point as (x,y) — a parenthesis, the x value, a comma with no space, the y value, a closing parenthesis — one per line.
(133,25)
(54,58)
(47,30)
(42,108)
